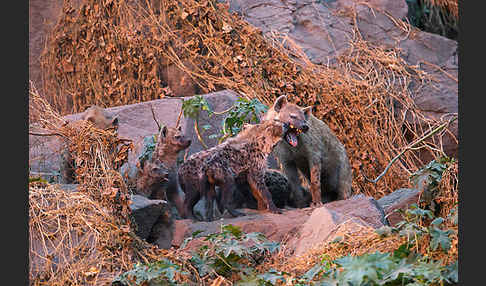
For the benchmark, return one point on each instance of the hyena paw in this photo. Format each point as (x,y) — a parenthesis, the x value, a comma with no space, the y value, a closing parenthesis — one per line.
(275,210)
(316,204)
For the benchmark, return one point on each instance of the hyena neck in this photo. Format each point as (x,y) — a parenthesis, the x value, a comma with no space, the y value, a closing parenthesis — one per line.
(167,157)
(267,143)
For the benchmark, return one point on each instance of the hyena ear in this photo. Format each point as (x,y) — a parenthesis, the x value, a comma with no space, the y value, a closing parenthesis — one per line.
(114,121)
(90,119)
(163,131)
(307,112)
(280,102)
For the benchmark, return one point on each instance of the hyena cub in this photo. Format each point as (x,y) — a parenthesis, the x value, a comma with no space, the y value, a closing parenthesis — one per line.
(100,119)
(170,143)
(242,156)
(152,177)
(317,154)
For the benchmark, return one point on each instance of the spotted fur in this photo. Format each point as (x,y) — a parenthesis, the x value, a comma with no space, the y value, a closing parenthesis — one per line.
(244,155)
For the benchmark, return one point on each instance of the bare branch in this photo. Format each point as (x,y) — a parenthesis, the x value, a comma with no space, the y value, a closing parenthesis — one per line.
(412,146)
(153,115)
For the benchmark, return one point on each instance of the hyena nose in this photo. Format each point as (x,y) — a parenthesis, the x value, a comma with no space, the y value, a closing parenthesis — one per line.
(305,128)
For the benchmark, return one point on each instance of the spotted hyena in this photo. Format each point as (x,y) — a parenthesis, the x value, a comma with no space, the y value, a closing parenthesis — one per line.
(100,119)
(244,155)
(153,177)
(171,141)
(317,154)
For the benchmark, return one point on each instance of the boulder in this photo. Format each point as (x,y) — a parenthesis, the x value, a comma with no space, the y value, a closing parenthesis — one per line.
(276,227)
(146,213)
(399,199)
(300,229)
(323,221)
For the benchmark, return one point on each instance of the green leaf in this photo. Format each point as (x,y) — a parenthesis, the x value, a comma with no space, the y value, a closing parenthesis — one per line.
(451,272)
(441,237)
(437,221)
(311,273)
(234,230)
(402,251)
(272,276)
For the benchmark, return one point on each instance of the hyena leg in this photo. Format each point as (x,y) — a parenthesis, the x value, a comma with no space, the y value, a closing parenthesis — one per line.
(345,183)
(296,190)
(67,167)
(259,189)
(210,196)
(315,182)
(192,196)
(227,188)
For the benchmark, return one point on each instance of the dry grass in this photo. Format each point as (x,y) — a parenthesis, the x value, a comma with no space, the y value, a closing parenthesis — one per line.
(451,6)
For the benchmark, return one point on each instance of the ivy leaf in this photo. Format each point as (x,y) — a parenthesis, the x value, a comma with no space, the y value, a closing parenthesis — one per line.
(201,264)
(437,221)
(232,246)
(441,237)
(429,271)
(311,273)
(451,272)
(234,230)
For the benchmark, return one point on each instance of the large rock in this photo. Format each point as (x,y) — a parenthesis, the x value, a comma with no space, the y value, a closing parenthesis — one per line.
(300,229)
(323,29)
(146,213)
(399,199)
(276,227)
(325,220)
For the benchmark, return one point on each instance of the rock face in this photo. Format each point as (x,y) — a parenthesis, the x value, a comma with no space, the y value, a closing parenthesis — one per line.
(274,226)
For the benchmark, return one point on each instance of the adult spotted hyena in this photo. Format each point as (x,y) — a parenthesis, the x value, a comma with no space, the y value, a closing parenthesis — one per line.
(244,155)
(317,154)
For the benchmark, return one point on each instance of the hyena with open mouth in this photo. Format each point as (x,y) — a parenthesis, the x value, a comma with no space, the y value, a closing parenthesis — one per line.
(311,148)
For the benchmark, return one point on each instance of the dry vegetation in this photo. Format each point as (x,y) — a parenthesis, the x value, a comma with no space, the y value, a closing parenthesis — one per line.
(113,52)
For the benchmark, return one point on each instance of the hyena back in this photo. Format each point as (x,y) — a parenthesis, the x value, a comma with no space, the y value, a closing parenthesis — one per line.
(243,155)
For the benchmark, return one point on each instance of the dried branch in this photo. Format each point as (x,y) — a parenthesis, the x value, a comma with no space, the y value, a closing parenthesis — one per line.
(412,146)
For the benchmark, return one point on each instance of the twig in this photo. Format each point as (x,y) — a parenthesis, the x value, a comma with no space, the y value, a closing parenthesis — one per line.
(199,137)
(180,115)
(46,134)
(153,115)
(410,147)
